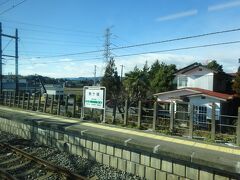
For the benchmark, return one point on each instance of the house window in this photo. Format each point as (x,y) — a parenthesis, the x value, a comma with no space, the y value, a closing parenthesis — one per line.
(201,115)
(182,81)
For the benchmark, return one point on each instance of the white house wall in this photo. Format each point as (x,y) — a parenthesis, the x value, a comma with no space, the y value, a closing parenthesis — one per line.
(55,92)
(199,78)
(51,92)
(207,102)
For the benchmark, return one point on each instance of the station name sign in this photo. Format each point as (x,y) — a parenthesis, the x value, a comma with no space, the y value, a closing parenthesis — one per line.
(94,98)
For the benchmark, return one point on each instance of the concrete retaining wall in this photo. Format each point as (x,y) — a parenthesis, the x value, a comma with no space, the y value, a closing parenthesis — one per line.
(150,166)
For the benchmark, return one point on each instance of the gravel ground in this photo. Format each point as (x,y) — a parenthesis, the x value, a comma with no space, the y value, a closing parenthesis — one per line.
(74,163)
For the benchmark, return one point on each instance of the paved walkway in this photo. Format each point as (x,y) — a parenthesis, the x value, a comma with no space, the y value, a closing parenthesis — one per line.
(213,155)
(128,131)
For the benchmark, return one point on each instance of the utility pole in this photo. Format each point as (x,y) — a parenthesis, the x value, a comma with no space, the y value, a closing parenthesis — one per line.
(121,71)
(1,58)
(11,56)
(16,61)
(238,66)
(95,70)
(107,45)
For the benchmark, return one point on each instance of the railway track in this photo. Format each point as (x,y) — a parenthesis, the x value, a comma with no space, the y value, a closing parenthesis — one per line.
(17,164)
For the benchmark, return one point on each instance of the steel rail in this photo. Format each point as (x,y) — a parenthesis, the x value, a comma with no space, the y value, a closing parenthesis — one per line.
(6,175)
(60,170)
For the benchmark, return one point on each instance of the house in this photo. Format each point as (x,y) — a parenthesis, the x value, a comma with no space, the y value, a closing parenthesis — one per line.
(73,91)
(54,89)
(9,85)
(201,87)
(199,76)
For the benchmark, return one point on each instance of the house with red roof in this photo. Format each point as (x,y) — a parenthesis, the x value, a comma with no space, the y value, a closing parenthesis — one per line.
(201,87)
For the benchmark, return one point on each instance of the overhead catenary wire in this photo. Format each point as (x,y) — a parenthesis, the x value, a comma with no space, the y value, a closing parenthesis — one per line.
(144,44)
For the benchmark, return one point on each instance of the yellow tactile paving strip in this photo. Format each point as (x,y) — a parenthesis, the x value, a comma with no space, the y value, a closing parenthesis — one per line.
(168,139)
(234,151)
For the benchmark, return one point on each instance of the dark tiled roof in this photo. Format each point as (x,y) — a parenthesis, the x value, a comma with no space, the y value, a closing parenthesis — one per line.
(212,93)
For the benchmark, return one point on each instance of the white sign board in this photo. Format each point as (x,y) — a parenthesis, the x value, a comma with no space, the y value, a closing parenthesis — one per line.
(94,98)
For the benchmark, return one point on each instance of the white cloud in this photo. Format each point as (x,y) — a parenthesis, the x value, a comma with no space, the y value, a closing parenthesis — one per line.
(223,6)
(227,57)
(178,15)
(130,62)
(65,60)
(228,60)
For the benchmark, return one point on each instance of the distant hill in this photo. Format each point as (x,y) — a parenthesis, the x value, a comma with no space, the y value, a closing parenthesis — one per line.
(83,78)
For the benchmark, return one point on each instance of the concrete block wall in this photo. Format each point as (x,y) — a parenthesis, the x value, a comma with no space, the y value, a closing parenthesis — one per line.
(149,166)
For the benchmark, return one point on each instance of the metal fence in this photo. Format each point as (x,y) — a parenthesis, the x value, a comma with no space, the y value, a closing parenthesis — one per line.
(179,118)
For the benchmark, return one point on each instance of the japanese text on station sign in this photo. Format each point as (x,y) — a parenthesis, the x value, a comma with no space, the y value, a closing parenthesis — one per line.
(94,98)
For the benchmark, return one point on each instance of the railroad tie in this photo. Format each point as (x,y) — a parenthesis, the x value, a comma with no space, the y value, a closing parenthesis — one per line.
(9,161)
(17,166)
(25,173)
(5,175)
(46,176)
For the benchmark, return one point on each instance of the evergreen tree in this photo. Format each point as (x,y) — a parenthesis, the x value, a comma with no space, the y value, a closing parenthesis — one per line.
(163,80)
(142,84)
(111,80)
(215,66)
(136,83)
(154,69)
(236,83)
(162,77)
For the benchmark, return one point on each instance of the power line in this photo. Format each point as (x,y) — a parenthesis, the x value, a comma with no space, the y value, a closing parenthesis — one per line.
(51,27)
(36,53)
(183,48)
(150,52)
(54,32)
(145,44)
(62,61)
(179,39)
(59,44)
(70,54)
(54,40)
(14,6)
(4,2)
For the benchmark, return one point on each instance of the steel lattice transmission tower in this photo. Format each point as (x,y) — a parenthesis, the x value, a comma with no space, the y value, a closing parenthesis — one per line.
(107,44)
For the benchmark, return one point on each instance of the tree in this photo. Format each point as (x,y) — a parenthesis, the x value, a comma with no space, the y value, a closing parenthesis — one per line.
(136,84)
(142,84)
(111,80)
(162,77)
(236,83)
(154,69)
(215,66)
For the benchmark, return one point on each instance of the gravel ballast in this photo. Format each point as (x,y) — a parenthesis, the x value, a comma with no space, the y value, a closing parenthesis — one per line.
(74,163)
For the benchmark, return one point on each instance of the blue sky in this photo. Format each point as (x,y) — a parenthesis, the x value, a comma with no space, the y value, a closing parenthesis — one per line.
(48,28)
